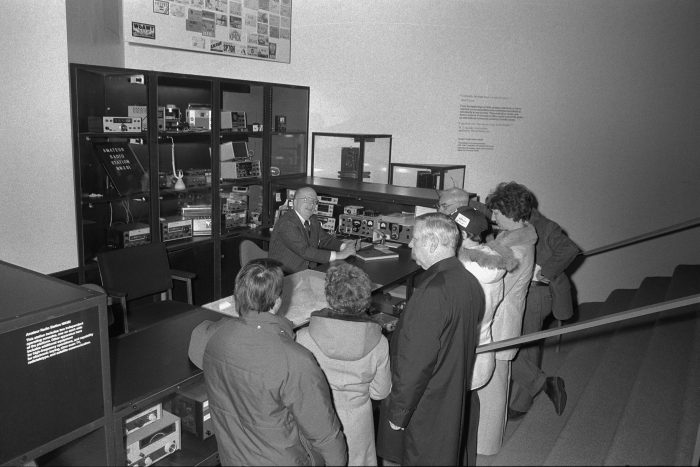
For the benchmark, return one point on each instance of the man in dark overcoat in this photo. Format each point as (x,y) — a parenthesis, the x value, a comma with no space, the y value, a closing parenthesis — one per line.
(423,421)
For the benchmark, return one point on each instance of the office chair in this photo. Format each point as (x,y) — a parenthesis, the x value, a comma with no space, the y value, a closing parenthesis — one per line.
(141,281)
(249,250)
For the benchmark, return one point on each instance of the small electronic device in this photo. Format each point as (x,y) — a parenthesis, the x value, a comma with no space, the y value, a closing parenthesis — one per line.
(198,116)
(280,123)
(398,228)
(327,223)
(114,124)
(154,441)
(240,169)
(169,117)
(196,177)
(324,209)
(358,225)
(128,235)
(175,229)
(143,418)
(201,218)
(192,406)
(139,111)
(354,210)
(233,120)
(327,199)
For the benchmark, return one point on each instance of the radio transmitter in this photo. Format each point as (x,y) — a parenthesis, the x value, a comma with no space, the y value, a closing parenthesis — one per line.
(114,124)
(175,229)
(128,235)
(154,441)
(240,169)
(192,406)
(141,419)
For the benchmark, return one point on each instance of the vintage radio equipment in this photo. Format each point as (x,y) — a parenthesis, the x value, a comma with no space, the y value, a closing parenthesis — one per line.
(327,199)
(327,223)
(154,441)
(175,229)
(240,169)
(324,209)
(128,235)
(165,180)
(198,116)
(114,124)
(195,177)
(169,117)
(233,120)
(354,210)
(143,418)
(398,228)
(201,218)
(280,123)
(192,406)
(358,225)
(232,220)
(139,111)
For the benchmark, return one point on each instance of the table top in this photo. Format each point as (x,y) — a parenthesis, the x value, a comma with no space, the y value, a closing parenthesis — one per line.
(145,363)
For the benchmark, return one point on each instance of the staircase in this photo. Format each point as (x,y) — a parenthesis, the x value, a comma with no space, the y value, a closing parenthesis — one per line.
(633,386)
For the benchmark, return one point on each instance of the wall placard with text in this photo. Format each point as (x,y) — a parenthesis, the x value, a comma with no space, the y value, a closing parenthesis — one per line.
(259,29)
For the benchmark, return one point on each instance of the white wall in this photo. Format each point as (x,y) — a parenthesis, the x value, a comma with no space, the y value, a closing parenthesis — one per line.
(36,175)
(609,138)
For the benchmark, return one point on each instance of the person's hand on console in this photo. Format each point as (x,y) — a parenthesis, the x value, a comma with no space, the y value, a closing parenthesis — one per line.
(347,249)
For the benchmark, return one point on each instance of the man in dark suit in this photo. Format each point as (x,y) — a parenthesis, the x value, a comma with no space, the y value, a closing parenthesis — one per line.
(549,293)
(423,421)
(299,242)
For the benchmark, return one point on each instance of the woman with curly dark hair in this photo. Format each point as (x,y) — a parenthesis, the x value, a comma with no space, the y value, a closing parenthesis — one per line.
(511,204)
(354,355)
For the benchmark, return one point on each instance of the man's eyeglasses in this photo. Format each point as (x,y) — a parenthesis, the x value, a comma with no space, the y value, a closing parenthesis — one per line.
(313,201)
(441,206)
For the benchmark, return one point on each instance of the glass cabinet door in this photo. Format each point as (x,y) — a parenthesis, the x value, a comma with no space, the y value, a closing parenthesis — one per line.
(184,117)
(289,134)
(346,156)
(112,159)
(241,155)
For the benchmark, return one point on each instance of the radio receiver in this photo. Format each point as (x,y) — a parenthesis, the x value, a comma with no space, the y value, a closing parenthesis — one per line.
(114,124)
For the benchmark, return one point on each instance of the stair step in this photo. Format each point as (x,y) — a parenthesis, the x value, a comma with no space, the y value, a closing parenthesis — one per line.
(541,426)
(662,413)
(648,431)
(618,300)
(686,281)
(590,428)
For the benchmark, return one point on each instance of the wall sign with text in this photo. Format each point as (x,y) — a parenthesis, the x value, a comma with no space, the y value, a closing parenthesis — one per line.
(259,29)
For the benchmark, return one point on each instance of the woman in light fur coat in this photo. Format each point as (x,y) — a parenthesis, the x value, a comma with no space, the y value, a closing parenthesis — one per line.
(489,264)
(511,205)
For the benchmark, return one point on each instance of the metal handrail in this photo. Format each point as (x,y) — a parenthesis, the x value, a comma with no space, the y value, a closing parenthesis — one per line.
(647,236)
(592,323)
(612,318)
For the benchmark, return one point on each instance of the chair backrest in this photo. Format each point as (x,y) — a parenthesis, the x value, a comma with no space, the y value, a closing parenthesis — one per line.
(249,250)
(138,271)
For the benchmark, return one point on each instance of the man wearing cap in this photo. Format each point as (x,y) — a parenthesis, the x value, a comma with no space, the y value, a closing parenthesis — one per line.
(299,242)
(489,264)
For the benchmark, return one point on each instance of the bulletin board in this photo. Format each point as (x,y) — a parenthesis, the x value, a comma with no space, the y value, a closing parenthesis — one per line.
(258,29)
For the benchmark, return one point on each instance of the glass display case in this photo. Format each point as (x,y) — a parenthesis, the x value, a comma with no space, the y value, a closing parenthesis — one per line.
(184,118)
(349,156)
(288,145)
(178,158)
(437,176)
(241,155)
(112,159)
